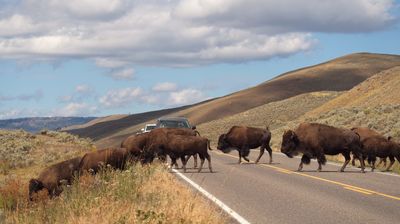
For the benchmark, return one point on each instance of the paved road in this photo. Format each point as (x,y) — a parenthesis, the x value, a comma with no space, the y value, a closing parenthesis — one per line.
(264,193)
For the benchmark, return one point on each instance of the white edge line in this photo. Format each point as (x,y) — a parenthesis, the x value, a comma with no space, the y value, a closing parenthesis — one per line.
(220,204)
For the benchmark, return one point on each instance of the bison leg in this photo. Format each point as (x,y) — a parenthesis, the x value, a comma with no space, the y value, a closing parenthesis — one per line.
(195,160)
(353,161)
(391,158)
(209,162)
(245,153)
(240,157)
(184,160)
(270,153)
(201,163)
(262,149)
(321,161)
(347,160)
(373,160)
(300,166)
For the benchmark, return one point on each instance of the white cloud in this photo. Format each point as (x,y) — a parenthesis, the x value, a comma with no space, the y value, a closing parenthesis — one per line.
(119,33)
(165,87)
(83,88)
(123,74)
(120,97)
(186,96)
(75,109)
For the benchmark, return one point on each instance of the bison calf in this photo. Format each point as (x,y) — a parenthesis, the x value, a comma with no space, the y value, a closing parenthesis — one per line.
(51,177)
(364,133)
(245,138)
(317,140)
(381,147)
(115,157)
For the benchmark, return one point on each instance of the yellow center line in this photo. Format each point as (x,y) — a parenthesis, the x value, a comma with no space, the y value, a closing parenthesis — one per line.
(356,190)
(347,186)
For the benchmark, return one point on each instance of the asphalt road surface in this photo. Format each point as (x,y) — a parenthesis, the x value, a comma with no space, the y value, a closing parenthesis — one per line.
(277,193)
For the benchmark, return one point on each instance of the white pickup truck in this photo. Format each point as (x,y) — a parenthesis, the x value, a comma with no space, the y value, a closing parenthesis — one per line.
(148,128)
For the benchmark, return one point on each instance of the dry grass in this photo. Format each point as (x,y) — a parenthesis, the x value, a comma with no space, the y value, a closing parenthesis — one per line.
(20,150)
(148,194)
(380,89)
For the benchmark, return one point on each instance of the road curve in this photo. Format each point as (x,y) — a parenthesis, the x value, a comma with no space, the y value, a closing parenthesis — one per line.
(276,193)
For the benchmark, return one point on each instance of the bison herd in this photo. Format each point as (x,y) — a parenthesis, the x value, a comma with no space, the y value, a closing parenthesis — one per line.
(311,140)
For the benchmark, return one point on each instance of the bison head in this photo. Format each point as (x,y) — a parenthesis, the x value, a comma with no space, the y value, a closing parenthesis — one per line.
(223,145)
(289,143)
(35,185)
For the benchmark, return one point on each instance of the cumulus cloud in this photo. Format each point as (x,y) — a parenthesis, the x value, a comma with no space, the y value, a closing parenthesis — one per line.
(165,87)
(186,96)
(119,33)
(75,109)
(120,97)
(123,74)
(81,92)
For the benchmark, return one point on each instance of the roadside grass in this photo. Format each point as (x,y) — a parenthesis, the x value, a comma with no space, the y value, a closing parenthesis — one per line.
(140,194)
(20,149)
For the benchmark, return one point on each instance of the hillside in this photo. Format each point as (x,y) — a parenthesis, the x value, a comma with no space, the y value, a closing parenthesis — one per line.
(95,121)
(373,103)
(274,115)
(35,124)
(336,75)
(380,89)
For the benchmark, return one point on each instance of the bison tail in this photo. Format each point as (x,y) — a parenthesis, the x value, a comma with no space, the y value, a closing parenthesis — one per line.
(267,127)
(197,133)
(208,144)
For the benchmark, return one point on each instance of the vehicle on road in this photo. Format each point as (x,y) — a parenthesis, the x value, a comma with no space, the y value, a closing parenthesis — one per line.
(148,128)
(173,122)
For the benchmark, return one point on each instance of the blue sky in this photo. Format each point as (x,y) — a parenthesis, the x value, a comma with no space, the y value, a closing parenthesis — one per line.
(98,57)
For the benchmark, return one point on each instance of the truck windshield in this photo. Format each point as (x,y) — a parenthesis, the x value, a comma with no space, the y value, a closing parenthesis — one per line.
(174,124)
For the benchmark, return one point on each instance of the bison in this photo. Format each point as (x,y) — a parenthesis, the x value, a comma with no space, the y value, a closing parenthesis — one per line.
(179,146)
(135,145)
(376,146)
(160,136)
(245,138)
(93,161)
(51,178)
(317,140)
(366,133)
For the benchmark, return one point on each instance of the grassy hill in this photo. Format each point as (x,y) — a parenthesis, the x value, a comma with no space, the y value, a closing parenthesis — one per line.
(380,89)
(339,74)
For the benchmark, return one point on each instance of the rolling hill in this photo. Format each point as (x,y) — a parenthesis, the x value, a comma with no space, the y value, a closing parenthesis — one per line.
(35,124)
(339,74)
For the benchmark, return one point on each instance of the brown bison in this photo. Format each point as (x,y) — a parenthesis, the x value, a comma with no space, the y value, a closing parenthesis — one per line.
(317,140)
(180,146)
(160,136)
(94,161)
(381,147)
(135,145)
(51,178)
(245,138)
(364,133)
